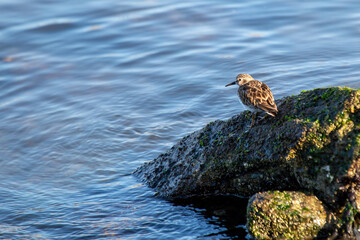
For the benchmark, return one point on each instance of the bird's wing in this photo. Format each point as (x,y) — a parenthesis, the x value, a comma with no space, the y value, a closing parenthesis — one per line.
(260,96)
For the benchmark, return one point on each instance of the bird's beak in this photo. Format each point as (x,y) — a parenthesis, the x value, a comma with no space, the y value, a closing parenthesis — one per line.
(233,83)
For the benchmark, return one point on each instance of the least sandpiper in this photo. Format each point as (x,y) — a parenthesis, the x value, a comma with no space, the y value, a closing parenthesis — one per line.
(256,96)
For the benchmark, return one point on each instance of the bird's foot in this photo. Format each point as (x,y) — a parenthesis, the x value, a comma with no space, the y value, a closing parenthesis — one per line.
(247,129)
(263,118)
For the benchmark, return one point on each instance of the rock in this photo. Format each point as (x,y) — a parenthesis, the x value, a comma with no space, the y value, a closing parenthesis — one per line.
(312,145)
(287,215)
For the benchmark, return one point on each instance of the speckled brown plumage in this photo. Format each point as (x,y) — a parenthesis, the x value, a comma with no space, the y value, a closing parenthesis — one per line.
(255,95)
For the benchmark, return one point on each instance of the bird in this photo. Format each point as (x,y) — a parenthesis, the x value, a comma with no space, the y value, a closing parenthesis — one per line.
(256,96)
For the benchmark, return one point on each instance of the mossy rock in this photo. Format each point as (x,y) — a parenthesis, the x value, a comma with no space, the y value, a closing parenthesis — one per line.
(328,150)
(313,143)
(287,215)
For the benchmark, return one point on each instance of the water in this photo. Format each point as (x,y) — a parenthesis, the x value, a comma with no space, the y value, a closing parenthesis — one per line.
(92,89)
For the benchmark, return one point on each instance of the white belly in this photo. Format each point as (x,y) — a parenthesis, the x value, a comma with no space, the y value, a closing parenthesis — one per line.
(250,108)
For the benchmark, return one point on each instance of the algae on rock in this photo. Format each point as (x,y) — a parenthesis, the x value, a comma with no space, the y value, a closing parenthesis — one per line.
(287,215)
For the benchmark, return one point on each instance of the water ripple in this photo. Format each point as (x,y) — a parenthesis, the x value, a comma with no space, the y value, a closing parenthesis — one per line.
(91,91)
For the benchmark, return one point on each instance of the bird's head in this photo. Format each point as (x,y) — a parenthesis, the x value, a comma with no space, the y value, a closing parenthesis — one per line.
(241,79)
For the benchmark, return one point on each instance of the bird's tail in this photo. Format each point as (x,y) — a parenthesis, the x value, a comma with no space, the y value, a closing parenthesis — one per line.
(272,113)
(270,109)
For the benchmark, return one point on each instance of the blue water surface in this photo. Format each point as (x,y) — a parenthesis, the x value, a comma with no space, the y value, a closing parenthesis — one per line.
(90,90)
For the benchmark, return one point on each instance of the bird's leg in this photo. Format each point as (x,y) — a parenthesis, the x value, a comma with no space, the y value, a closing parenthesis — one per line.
(253,118)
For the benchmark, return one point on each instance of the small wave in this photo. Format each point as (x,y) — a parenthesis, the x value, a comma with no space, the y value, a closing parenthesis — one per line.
(50,25)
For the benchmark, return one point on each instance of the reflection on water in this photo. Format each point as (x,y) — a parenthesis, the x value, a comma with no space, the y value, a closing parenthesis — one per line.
(91,90)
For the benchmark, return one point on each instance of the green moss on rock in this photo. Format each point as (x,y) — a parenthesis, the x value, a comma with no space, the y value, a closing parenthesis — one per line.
(329,146)
(286,215)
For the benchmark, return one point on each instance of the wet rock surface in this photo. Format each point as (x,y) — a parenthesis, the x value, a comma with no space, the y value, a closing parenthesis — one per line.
(312,145)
